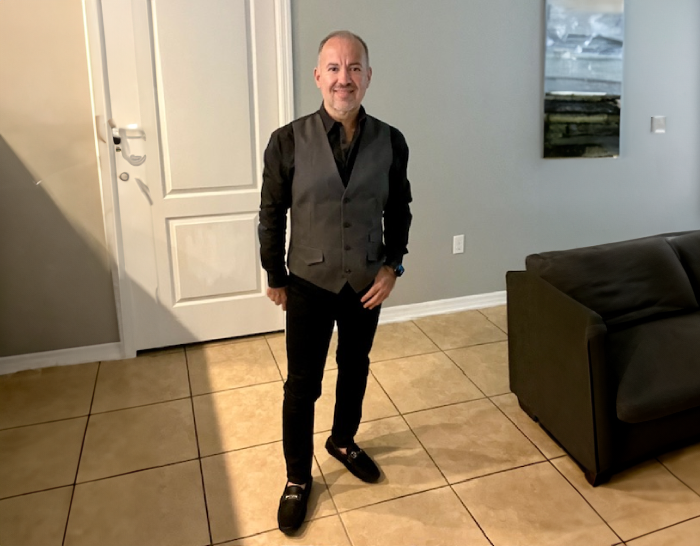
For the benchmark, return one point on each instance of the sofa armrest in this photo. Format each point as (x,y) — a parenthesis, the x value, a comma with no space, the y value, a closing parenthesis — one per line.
(557,364)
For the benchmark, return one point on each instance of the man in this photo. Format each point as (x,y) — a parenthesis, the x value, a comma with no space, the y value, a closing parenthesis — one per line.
(343,175)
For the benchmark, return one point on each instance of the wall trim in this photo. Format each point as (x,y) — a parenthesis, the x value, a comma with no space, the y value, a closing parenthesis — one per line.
(115,351)
(61,357)
(285,60)
(107,174)
(402,313)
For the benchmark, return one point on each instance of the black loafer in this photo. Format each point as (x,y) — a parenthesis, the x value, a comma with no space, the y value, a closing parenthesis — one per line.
(292,509)
(356,461)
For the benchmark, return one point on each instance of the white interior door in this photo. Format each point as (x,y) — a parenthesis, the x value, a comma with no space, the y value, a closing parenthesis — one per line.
(204,81)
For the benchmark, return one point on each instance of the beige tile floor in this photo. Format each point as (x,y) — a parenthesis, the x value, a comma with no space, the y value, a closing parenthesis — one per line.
(183,447)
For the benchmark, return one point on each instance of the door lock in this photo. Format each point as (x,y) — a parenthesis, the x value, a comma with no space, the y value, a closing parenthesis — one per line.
(121,138)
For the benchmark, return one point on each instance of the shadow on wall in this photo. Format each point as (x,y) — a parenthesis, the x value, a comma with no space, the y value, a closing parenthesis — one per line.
(56,292)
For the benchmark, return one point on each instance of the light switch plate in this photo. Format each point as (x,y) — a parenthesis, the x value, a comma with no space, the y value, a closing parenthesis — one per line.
(658,124)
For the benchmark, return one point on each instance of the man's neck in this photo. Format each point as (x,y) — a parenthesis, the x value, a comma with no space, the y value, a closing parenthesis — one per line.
(347,119)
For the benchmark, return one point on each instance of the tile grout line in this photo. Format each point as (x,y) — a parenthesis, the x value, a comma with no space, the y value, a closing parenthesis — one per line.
(142,405)
(9,497)
(492,322)
(664,528)
(433,461)
(330,494)
(264,531)
(468,345)
(277,364)
(470,514)
(441,406)
(519,429)
(395,358)
(199,453)
(426,335)
(229,389)
(585,500)
(52,421)
(674,475)
(129,473)
(80,455)
(465,374)
(202,345)
(496,472)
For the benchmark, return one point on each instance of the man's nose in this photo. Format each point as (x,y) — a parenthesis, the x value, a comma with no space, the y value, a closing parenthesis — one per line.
(344,76)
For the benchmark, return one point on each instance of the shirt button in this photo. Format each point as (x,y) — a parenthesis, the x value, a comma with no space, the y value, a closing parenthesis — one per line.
(348,270)
(347,224)
(346,200)
(348,247)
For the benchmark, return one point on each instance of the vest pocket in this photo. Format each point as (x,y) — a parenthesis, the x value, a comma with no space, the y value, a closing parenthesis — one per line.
(308,255)
(375,248)
(375,251)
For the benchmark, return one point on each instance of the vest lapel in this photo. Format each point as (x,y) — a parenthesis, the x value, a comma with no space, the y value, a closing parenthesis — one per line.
(327,156)
(366,139)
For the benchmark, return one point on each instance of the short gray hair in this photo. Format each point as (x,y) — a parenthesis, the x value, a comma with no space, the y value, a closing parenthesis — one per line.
(347,35)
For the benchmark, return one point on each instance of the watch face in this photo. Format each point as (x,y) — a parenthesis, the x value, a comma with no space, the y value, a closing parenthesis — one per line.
(399,270)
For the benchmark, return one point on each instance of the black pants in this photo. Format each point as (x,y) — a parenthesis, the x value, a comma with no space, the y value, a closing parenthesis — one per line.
(311,313)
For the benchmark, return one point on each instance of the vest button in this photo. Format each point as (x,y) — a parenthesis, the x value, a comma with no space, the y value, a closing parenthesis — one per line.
(348,270)
(347,224)
(346,200)
(348,247)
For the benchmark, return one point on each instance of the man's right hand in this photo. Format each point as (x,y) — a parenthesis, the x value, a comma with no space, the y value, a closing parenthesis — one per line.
(278,296)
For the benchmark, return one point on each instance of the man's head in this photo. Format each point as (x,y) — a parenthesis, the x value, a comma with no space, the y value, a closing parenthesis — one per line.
(342,73)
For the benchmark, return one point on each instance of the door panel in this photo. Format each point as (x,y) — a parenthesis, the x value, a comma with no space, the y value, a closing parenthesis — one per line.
(214,257)
(206,75)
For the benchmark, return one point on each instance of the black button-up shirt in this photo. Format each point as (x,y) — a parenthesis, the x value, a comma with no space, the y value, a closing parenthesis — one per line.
(276,196)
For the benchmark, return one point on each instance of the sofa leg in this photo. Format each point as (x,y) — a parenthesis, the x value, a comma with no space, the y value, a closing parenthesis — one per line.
(596,479)
(527,410)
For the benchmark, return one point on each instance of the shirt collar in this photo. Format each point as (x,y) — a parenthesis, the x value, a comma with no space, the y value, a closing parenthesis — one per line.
(329,122)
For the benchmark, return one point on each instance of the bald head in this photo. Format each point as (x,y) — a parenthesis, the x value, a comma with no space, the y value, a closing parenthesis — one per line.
(347,35)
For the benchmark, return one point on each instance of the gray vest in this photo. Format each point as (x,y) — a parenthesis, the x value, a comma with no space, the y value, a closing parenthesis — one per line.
(336,232)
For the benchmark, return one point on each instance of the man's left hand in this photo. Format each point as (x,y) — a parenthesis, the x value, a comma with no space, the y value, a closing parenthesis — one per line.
(383,285)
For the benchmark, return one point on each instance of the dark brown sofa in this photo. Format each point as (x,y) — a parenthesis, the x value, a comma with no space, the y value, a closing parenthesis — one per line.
(604,348)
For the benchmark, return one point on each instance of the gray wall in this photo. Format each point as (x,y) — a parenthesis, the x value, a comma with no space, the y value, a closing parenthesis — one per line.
(55,283)
(463,82)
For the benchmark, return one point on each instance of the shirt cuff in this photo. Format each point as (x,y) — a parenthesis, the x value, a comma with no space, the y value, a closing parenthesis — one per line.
(393,261)
(277,280)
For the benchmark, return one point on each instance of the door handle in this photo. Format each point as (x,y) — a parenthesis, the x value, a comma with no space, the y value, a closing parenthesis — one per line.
(122,136)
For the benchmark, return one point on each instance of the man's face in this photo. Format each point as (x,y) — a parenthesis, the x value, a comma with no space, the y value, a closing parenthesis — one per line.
(342,75)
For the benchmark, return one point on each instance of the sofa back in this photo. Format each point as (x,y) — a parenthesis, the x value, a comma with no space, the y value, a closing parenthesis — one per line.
(687,246)
(625,281)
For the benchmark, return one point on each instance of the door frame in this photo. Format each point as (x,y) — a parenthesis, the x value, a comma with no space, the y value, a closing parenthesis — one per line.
(101,105)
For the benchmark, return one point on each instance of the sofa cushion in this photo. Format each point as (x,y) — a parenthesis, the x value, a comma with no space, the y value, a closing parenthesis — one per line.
(658,367)
(687,247)
(622,282)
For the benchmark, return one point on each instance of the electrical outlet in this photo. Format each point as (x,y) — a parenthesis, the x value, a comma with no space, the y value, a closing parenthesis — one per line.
(458,244)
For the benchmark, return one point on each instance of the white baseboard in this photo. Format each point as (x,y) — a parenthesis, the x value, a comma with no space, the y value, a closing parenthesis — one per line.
(62,357)
(115,351)
(416,310)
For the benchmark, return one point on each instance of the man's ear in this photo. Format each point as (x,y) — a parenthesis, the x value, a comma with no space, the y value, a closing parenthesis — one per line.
(317,77)
(369,75)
